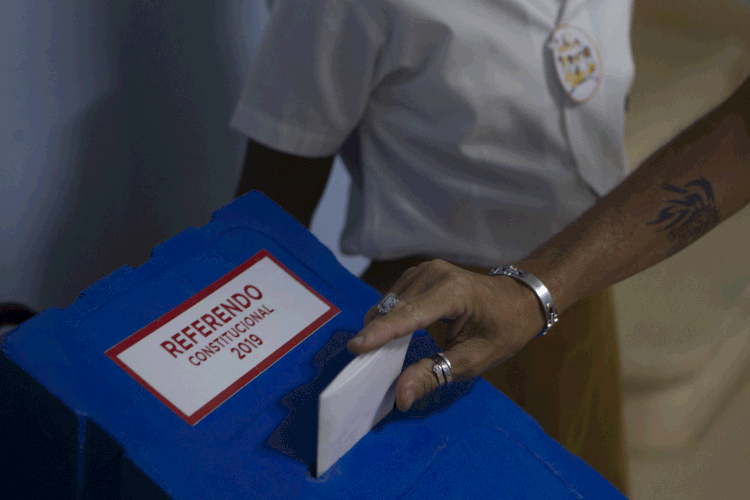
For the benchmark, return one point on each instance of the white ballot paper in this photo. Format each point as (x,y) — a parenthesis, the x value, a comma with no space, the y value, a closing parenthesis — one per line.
(357,399)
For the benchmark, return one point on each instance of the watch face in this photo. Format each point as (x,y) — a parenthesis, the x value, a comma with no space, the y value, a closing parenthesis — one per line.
(577,62)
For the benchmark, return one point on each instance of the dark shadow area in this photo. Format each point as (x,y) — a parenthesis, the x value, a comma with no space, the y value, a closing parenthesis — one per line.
(134,484)
(40,444)
(41,441)
(12,313)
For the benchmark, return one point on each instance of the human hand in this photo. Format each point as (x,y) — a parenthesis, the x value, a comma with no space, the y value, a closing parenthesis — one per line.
(490,317)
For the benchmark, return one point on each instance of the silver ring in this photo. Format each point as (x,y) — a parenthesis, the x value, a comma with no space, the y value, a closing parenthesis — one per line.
(387,303)
(437,370)
(446,367)
(442,369)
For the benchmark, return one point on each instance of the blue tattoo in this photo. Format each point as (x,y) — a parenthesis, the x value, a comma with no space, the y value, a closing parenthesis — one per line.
(689,217)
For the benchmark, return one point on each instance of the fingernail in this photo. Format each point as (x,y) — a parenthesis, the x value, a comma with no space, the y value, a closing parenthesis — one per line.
(409,398)
(357,341)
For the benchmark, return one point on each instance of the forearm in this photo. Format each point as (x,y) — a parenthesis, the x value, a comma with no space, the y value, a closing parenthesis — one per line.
(676,196)
(295,183)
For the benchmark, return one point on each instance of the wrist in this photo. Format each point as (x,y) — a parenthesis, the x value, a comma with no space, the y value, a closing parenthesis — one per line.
(542,295)
(553,276)
(522,304)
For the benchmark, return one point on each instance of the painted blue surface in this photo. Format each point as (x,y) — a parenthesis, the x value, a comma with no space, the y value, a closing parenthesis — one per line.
(467,441)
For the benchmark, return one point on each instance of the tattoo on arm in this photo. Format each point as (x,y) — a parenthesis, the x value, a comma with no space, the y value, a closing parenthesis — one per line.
(689,216)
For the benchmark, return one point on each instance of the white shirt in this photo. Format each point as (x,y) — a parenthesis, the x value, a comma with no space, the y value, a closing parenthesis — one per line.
(449,116)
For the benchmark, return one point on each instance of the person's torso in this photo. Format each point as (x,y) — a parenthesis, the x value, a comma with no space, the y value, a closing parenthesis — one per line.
(470,149)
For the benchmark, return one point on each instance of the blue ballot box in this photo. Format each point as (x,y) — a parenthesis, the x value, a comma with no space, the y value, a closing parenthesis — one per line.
(201,370)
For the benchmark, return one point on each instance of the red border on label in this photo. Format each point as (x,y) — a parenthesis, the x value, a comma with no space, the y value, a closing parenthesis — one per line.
(113,352)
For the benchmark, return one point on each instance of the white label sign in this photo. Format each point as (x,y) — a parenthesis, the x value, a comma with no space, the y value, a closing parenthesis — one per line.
(199,354)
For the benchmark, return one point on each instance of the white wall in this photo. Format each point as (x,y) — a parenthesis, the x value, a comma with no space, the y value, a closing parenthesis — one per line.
(114,133)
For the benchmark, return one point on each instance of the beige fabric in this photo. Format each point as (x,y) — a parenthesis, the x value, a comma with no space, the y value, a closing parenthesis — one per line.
(569,381)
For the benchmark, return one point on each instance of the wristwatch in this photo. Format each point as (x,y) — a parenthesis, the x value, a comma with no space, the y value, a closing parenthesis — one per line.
(541,291)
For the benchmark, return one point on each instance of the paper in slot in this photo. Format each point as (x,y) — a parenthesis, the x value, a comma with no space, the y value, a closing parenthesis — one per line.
(356,400)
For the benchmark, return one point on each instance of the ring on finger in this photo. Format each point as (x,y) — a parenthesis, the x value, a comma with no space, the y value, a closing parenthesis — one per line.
(387,303)
(442,369)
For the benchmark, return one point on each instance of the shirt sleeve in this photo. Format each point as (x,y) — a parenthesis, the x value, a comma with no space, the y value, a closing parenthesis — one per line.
(312,77)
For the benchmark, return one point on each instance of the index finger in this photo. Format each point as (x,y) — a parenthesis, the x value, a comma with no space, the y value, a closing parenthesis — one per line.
(410,314)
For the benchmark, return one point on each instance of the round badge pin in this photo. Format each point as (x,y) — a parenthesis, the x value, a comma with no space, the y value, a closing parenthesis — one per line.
(577,62)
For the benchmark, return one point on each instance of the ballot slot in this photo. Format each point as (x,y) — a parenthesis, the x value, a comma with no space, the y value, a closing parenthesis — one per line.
(356,400)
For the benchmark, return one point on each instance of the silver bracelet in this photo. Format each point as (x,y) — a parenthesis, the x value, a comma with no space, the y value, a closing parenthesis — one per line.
(541,291)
